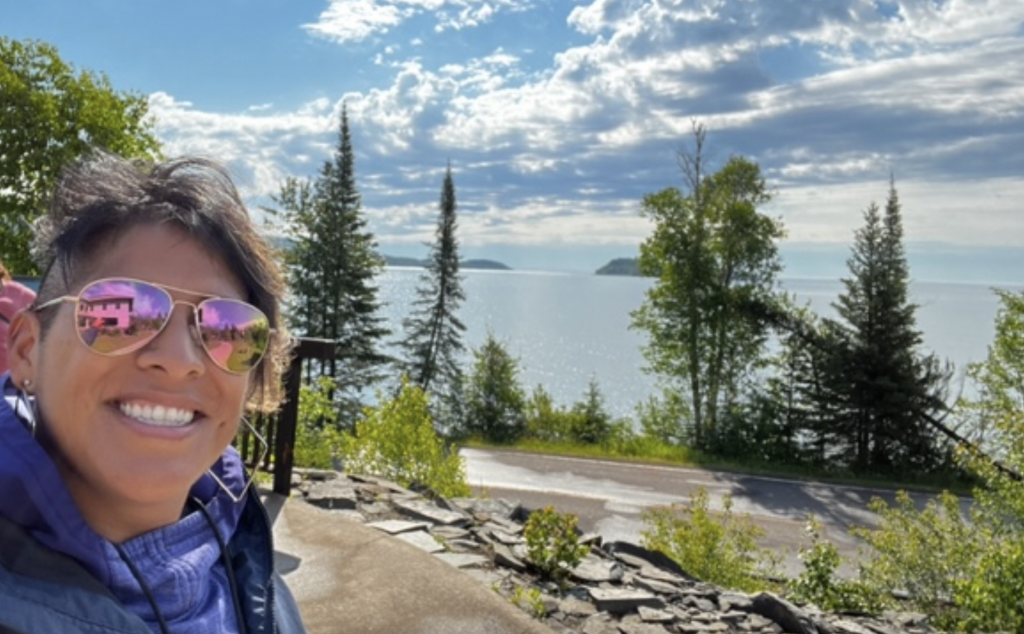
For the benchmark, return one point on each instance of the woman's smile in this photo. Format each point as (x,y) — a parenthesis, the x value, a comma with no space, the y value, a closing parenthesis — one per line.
(157,415)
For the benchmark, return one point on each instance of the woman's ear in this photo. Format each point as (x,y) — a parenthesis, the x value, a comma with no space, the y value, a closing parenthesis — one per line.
(23,342)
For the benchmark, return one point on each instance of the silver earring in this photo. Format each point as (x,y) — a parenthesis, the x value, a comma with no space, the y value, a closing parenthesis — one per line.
(264,447)
(25,405)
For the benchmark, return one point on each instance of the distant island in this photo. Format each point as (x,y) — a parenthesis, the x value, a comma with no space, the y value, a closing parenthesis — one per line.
(621,266)
(283,243)
(487,265)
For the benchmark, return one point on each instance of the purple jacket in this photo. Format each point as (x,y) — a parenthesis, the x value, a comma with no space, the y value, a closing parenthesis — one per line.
(181,564)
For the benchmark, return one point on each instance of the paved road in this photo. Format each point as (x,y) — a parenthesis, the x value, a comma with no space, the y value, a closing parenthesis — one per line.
(609,496)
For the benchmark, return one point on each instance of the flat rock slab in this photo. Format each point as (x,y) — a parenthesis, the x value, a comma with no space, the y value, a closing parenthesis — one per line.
(500,536)
(652,585)
(463,560)
(497,507)
(503,556)
(653,615)
(426,511)
(642,628)
(735,601)
(595,570)
(333,494)
(394,527)
(788,616)
(575,607)
(384,484)
(421,540)
(653,572)
(620,600)
(700,603)
(496,521)
(451,532)
(849,627)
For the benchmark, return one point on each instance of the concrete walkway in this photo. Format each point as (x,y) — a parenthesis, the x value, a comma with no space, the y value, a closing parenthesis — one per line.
(352,579)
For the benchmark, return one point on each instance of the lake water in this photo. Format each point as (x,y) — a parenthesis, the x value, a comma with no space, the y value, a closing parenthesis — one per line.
(566,328)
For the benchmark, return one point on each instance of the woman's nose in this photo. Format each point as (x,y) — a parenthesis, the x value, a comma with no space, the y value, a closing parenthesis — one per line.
(177,349)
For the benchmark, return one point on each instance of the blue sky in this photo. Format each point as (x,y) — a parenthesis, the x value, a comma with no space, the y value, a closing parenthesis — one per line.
(558,116)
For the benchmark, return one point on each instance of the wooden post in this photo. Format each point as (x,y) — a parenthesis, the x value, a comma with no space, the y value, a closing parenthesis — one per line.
(288,419)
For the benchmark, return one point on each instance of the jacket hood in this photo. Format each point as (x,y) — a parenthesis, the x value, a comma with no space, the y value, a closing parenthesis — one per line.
(36,498)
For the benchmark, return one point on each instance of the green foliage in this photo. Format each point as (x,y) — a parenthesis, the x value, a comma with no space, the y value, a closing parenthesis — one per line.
(529,600)
(587,422)
(552,544)
(494,400)
(818,584)
(999,380)
(881,382)
(719,548)
(396,440)
(591,424)
(664,419)
(332,265)
(546,421)
(713,253)
(53,114)
(927,553)
(433,338)
(968,572)
(317,439)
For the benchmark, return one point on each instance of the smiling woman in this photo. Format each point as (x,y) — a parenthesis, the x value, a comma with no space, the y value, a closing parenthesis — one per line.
(156,326)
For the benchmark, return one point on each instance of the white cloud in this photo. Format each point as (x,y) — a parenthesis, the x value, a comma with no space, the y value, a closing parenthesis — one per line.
(986,213)
(261,148)
(355,20)
(933,92)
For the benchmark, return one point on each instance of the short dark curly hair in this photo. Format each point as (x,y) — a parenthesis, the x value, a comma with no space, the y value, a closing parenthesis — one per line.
(102,196)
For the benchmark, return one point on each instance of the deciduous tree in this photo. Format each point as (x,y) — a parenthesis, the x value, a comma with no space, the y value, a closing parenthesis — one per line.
(50,114)
(711,251)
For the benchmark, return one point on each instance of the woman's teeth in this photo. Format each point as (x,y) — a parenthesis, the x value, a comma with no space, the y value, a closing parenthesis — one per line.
(157,415)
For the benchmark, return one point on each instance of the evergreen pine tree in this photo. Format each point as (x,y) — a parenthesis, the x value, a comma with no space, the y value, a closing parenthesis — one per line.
(332,268)
(433,333)
(882,386)
(494,401)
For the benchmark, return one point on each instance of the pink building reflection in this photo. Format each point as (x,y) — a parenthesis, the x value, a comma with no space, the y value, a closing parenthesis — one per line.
(111,311)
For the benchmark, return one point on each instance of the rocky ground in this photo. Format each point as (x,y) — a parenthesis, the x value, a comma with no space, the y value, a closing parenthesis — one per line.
(619,588)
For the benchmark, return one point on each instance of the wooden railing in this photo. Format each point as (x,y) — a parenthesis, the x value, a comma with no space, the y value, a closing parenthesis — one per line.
(278,428)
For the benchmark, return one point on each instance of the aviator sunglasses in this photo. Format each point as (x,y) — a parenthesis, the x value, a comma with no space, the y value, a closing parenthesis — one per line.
(119,315)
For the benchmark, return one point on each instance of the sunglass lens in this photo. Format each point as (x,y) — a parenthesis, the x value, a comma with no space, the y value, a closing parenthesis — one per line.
(117,316)
(235,334)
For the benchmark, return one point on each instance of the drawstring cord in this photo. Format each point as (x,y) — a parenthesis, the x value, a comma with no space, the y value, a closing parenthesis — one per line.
(145,588)
(225,560)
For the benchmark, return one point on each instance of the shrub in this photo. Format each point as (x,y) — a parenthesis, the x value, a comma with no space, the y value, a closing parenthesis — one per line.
(921,552)
(317,439)
(720,549)
(397,441)
(530,601)
(665,419)
(546,421)
(818,584)
(552,544)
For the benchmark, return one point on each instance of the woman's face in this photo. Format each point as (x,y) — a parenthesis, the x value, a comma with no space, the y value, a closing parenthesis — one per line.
(112,458)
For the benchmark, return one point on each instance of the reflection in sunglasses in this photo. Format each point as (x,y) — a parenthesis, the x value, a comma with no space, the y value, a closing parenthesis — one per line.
(117,316)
